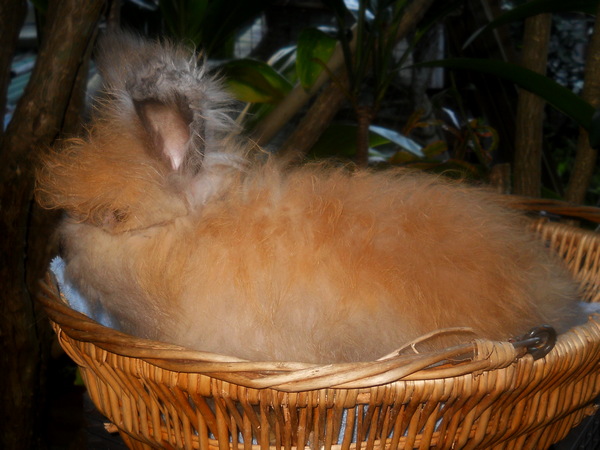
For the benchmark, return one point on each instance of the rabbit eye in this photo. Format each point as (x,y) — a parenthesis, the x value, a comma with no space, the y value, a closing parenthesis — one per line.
(113,219)
(119,216)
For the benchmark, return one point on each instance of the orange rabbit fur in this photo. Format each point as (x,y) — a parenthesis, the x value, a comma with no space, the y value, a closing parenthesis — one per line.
(182,237)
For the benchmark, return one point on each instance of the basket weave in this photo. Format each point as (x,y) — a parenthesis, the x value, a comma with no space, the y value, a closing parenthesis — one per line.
(482,395)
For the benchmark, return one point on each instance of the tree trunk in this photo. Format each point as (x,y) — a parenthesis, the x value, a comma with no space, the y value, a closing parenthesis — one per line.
(25,232)
(530,110)
(585,159)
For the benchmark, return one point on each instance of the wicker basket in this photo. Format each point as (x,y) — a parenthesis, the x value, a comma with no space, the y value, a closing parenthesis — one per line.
(483,395)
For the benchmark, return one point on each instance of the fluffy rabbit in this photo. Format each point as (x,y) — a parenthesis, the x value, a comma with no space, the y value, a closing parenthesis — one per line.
(181,237)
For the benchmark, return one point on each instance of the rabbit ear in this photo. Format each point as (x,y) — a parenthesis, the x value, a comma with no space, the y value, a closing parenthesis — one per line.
(168,129)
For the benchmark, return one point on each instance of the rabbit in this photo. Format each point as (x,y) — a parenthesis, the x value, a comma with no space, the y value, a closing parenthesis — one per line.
(183,234)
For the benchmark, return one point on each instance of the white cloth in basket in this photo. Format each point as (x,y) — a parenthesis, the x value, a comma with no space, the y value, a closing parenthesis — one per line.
(77,301)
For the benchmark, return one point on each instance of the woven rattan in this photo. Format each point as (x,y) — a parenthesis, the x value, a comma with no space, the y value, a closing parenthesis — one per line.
(482,395)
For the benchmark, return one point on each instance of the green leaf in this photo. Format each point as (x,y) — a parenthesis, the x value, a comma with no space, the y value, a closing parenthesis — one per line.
(283,58)
(314,49)
(398,139)
(255,81)
(535,7)
(402,157)
(556,95)
(256,113)
(284,62)
(435,149)
(78,378)
(340,140)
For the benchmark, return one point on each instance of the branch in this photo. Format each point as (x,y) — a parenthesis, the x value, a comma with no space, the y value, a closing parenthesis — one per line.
(316,120)
(325,107)
(297,98)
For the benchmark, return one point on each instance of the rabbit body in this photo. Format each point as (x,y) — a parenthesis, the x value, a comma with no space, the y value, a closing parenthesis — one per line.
(182,237)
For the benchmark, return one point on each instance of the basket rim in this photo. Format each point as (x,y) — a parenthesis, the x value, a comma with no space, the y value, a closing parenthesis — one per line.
(556,207)
(474,357)
(478,356)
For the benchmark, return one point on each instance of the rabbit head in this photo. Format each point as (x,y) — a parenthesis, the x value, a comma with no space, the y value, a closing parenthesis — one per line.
(158,146)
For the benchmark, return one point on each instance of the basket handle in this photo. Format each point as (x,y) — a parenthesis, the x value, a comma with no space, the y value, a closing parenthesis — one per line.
(538,341)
